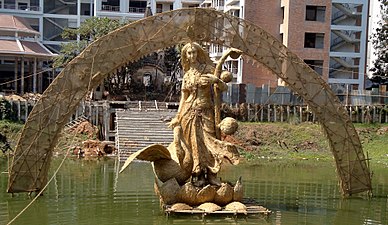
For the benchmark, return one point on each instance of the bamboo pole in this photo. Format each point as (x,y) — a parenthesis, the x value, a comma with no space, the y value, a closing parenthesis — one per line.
(16,74)
(22,76)
(34,79)
(19,110)
(106,116)
(25,110)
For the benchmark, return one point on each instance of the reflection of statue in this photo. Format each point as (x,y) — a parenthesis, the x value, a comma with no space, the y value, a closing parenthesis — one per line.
(188,167)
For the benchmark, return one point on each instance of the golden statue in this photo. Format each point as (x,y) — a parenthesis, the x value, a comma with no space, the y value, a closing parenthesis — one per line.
(195,119)
(187,170)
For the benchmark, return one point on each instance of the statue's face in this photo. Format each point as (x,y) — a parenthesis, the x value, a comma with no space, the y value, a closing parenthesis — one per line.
(191,54)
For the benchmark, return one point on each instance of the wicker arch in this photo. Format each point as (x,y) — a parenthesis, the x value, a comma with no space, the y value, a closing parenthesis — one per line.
(39,136)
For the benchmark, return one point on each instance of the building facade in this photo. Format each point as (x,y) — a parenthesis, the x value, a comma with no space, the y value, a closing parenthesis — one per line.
(50,17)
(330,36)
(23,59)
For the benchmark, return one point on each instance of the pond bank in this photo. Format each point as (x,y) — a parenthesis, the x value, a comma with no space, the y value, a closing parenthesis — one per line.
(261,140)
(303,141)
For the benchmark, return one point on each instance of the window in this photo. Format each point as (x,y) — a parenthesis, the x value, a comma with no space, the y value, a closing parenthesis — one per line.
(235,13)
(315,65)
(159,8)
(138,4)
(111,6)
(85,9)
(147,78)
(315,13)
(8,62)
(35,27)
(217,49)
(232,66)
(314,40)
(22,6)
(309,40)
(311,13)
(218,3)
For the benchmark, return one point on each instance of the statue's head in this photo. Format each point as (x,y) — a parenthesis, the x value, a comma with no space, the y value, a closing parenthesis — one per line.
(193,51)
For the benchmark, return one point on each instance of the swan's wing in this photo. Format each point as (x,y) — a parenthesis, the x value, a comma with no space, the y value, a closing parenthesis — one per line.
(151,153)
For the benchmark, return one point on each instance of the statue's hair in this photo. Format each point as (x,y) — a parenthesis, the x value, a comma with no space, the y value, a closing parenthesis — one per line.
(202,55)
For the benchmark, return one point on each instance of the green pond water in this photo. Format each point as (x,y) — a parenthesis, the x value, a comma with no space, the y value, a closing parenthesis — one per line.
(297,192)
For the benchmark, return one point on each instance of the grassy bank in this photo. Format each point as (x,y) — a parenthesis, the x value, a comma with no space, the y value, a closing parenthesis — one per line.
(264,140)
(11,130)
(304,141)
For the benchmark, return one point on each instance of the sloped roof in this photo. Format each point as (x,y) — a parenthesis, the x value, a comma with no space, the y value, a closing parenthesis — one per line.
(24,48)
(10,24)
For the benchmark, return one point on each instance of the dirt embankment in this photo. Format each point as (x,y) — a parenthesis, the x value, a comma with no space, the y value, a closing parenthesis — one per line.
(86,144)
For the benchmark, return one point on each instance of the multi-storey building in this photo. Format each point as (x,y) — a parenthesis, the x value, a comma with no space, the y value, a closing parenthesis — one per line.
(330,36)
(50,17)
(23,58)
(235,8)
(348,44)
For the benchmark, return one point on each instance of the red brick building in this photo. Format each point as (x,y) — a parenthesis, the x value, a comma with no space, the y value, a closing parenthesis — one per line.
(330,36)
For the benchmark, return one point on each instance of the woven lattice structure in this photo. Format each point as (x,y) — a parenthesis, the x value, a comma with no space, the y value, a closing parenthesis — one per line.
(30,165)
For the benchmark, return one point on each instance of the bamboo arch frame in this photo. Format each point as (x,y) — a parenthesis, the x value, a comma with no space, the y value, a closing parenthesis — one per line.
(29,168)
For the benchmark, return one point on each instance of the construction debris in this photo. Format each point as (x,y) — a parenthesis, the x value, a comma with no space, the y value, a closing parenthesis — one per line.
(94,148)
(91,147)
(86,128)
(32,96)
(14,98)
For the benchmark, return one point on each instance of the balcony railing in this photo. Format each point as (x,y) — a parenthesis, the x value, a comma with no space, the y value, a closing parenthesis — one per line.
(231,2)
(110,8)
(136,10)
(219,3)
(21,7)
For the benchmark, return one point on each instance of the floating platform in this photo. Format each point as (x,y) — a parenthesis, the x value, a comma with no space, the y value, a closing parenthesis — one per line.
(251,209)
(258,210)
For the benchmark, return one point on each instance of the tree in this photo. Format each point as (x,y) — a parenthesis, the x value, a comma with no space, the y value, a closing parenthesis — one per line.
(90,30)
(119,82)
(380,43)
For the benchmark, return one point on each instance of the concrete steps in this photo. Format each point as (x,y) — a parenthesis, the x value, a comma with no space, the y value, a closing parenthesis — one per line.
(138,129)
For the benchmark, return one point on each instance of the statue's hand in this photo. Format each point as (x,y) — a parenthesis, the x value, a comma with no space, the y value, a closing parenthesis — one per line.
(221,86)
(218,83)
(174,122)
(208,79)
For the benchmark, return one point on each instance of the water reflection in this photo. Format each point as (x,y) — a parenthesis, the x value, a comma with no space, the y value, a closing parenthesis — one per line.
(91,192)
